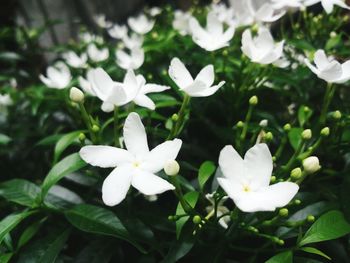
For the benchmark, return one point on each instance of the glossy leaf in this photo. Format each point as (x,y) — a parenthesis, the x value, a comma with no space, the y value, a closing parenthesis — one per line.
(315,251)
(284,257)
(191,198)
(65,141)
(206,170)
(20,191)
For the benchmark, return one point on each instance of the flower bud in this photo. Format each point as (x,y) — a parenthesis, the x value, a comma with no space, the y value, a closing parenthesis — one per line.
(306,109)
(171,167)
(336,115)
(268,137)
(154,35)
(333,34)
(273,179)
(306,134)
(255,28)
(325,132)
(197,219)
(311,164)
(240,124)
(95,128)
(263,123)
(76,95)
(287,127)
(82,137)
(225,52)
(175,117)
(283,212)
(310,218)
(253,100)
(296,174)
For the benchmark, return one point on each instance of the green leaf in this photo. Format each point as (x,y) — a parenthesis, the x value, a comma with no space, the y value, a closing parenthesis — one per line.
(206,170)
(66,166)
(329,226)
(29,233)
(98,220)
(49,140)
(20,191)
(11,221)
(4,258)
(313,250)
(304,116)
(284,257)
(191,198)
(333,42)
(294,137)
(178,250)
(54,248)
(4,139)
(64,142)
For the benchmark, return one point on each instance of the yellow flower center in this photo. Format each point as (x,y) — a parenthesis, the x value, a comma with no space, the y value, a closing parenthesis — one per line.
(246,188)
(136,164)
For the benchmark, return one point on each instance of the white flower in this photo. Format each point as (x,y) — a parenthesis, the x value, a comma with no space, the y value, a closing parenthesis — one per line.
(242,13)
(222,12)
(87,37)
(5,100)
(74,60)
(247,181)
(135,166)
(85,84)
(284,4)
(329,69)
(134,41)
(328,5)
(57,76)
(101,21)
(140,24)
(154,11)
(264,11)
(181,22)
(134,60)
(118,31)
(97,55)
(221,209)
(213,36)
(201,86)
(262,48)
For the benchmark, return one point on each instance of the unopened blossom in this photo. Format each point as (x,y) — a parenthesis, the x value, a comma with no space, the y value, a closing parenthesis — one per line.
(76,95)
(97,55)
(133,41)
(101,21)
(136,166)
(132,60)
(181,22)
(57,76)
(140,24)
(171,167)
(328,69)
(311,164)
(262,48)
(118,31)
(221,210)
(328,5)
(246,181)
(201,86)
(74,60)
(213,36)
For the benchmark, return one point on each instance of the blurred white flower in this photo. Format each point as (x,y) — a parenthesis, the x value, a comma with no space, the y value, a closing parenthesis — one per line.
(85,84)
(133,41)
(263,123)
(97,55)
(247,181)
(5,100)
(242,13)
(329,69)
(140,24)
(155,10)
(286,4)
(201,86)
(135,166)
(328,5)
(262,48)
(213,36)
(101,21)
(57,76)
(181,22)
(224,13)
(264,11)
(118,31)
(283,62)
(74,60)
(134,60)
(88,37)
(220,210)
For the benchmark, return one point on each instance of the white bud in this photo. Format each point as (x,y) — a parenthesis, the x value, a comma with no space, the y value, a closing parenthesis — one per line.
(311,164)
(263,123)
(171,167)
(333,34)
(76,95)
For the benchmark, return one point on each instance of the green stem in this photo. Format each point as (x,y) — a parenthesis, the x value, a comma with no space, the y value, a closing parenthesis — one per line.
(181,117)
(326,101)
(116,121)
(178,192)
(87,121)
(291,161)
(281,147)
(246,122)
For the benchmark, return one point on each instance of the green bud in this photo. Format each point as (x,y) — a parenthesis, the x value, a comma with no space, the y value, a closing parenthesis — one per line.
(287,127)
(150,76)
(240,124)
(273,179)
(325,132)
(154,35)
(253,100)
(333,34)
(164,72)
(252,229)
(280,242)
(225,52)
(82,137)
(171,218)
(255,28)
(336,115)
(274,158)
(310,218)
(197,219)
(76,95)
(297,201)
(306,109)
(95,128)
(306,134)
(283,212)
(296,174)
(175,117)
(171,167)
(268,136)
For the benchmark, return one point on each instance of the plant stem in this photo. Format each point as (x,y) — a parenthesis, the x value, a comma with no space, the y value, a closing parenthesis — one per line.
(178,192)
(181,117)
(291,161)
(246,122)
(116,121)
(87,121)
(326,101)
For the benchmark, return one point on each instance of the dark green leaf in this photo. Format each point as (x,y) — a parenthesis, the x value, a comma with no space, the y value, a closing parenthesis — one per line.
(304,115)
(313,250)
(177,251)
(206,170)
(284,257)
(4,258)
(54,248)
(294,136)
(29,233)
(20,191)
(64,142)
(191,198)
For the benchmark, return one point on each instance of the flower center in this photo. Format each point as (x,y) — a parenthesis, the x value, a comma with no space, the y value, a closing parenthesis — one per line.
(246,188)
(136,164)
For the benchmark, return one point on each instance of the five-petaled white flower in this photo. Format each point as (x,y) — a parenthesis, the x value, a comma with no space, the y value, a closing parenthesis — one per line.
(262,48)
(213,36)
(201,86)
(135,166)
(329,69)
(118,31)
(74,60)
(140,24)
(57,76)
(328,5)
(221,210)
(97,55)
(247,181)
(134,60)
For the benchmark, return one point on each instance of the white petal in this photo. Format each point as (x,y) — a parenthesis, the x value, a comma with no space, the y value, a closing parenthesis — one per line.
(267,199)
(116,185)
(311,67)
(117,95)
(131,86)
(214,26)
(144,101)
(156,159)
(345,72)
(320,59)
(149,88)
(231,164)
(258,165)
(105,156)
(135,135)
(179,74)
(208,91)
(206,75)
(247,43)
(195,89)
(107,107)
(150,184)
(328,6)
(332,72)
(102,84)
